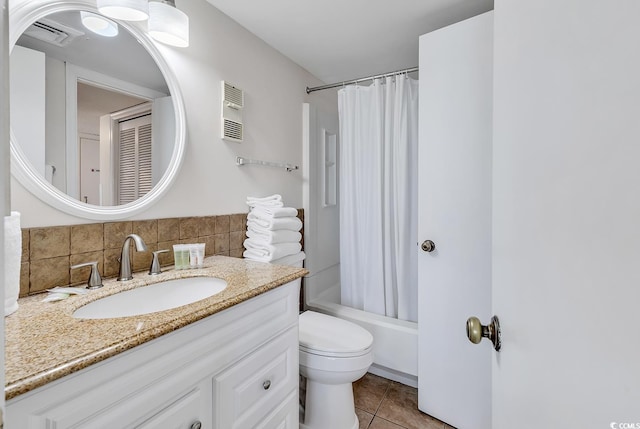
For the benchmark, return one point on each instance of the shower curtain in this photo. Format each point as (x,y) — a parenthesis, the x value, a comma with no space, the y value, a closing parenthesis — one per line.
(378,197)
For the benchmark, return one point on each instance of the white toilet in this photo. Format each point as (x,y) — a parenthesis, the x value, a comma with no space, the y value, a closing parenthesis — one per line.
(333,354)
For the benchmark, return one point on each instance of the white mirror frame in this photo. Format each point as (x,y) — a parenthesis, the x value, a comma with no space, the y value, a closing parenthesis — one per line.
(20,18)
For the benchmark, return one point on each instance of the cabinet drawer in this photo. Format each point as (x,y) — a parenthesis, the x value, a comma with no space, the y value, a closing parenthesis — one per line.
(168,403)
(249,391)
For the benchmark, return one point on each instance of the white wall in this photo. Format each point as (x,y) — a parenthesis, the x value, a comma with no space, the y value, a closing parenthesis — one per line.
(209,182)
(55,121)
(27,87)
(162,127)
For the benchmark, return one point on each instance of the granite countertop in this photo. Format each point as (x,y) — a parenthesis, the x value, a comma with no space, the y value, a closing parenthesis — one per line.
(43,342)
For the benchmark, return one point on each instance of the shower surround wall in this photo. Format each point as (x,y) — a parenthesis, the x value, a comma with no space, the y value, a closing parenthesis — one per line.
(48,253)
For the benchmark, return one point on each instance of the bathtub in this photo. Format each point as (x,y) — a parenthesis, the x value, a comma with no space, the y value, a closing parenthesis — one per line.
(395,342)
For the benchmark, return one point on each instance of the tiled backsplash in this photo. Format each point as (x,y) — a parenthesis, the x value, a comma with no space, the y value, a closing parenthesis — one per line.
(48,253)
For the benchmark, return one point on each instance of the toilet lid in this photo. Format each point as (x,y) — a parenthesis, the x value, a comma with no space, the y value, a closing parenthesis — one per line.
(329,336)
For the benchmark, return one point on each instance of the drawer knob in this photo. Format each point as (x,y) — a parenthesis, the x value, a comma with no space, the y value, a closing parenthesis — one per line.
(196,425)
(266,385)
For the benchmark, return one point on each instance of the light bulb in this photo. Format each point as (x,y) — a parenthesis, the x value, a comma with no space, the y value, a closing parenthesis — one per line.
(127,10)
(99,24)
(167,24)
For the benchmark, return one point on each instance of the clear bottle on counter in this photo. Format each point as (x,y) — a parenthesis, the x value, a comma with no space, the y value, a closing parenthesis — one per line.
(181,256)
(196,255)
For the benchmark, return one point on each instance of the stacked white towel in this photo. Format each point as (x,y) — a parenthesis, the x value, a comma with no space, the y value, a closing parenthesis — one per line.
(274,200)
(273,230)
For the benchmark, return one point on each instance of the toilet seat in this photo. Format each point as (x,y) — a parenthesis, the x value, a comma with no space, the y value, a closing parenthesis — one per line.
(330,336)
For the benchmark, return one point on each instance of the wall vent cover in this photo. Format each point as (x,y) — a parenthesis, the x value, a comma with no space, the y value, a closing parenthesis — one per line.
(52,32)
(232,104)
(232,130)
(232,96)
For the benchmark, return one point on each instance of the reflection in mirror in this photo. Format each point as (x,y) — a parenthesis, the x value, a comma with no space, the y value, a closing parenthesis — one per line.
(92,114)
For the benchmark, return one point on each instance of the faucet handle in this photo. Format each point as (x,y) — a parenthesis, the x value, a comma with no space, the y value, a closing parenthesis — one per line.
(94,281)
(155,263)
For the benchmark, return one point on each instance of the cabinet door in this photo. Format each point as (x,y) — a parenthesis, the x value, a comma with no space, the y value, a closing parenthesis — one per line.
(286,416)
(185,413)
(248,392)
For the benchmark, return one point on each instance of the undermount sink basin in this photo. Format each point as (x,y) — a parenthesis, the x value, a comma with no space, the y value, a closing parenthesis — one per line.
(150,299)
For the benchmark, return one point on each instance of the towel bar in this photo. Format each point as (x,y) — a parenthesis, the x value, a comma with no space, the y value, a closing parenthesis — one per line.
(244,161)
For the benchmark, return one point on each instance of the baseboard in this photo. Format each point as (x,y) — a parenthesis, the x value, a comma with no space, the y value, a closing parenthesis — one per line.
(400,377)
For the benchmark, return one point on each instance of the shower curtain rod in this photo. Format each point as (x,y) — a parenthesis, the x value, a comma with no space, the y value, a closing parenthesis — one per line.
(363,79)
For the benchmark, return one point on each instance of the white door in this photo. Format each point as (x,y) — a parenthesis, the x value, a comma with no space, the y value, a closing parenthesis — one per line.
(454,376)
(90,170)
(566,214)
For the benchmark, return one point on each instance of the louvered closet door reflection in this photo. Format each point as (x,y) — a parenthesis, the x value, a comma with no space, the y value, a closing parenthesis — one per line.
(144,159)
(134,159)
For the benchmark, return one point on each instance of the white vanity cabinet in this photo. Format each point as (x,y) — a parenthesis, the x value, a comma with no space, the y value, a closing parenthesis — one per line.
(234,369)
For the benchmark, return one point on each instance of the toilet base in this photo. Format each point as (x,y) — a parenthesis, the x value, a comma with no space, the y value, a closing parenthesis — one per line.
(329,406)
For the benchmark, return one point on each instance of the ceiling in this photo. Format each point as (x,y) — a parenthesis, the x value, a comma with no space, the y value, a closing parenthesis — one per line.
(338,40)
(95,52)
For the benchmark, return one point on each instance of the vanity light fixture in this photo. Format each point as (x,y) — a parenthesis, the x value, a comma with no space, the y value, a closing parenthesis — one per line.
(127,10)
(168,24)
(99,24)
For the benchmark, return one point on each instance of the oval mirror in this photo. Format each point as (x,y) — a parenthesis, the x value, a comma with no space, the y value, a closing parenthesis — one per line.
(97,120)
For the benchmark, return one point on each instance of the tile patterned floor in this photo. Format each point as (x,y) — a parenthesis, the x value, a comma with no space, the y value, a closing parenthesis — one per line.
(385,404)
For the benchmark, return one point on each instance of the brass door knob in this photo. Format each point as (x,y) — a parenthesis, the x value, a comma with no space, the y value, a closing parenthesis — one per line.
(476,331)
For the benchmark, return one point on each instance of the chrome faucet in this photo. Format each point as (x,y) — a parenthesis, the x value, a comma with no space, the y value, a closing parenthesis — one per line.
(125,258)
(95,281)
